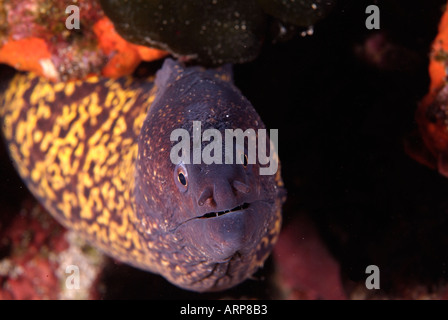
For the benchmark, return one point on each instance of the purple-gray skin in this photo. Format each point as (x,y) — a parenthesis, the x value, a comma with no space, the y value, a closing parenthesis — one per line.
(223,219)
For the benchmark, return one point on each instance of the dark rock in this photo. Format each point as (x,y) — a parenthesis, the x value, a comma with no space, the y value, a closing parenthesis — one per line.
(214,31)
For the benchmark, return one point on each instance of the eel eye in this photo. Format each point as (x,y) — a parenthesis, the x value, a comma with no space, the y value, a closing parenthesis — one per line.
(181,177)
(244,160)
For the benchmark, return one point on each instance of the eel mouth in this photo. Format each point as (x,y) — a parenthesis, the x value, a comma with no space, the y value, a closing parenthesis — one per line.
(208,215)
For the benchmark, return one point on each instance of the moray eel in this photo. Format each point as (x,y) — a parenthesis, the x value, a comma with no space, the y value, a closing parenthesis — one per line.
(96,154)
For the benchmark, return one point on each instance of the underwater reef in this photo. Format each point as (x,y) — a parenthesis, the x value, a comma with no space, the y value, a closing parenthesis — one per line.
(355,108)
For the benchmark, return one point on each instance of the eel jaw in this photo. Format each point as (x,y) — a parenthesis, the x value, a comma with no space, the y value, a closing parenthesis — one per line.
(209,215)
(217,236)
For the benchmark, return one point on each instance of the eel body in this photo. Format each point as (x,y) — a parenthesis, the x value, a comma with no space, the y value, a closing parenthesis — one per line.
(96,154)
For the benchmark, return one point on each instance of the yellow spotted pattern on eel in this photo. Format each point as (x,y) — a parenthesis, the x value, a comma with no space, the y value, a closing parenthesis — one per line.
(74,144)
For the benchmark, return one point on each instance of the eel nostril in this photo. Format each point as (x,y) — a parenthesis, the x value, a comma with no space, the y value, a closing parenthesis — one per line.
(207,193)
(240,186)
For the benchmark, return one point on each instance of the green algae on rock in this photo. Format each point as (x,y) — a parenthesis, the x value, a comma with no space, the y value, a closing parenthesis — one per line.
(211,31)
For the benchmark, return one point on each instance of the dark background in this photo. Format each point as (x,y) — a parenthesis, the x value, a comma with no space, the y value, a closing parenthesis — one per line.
(342,120)
(342,123)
